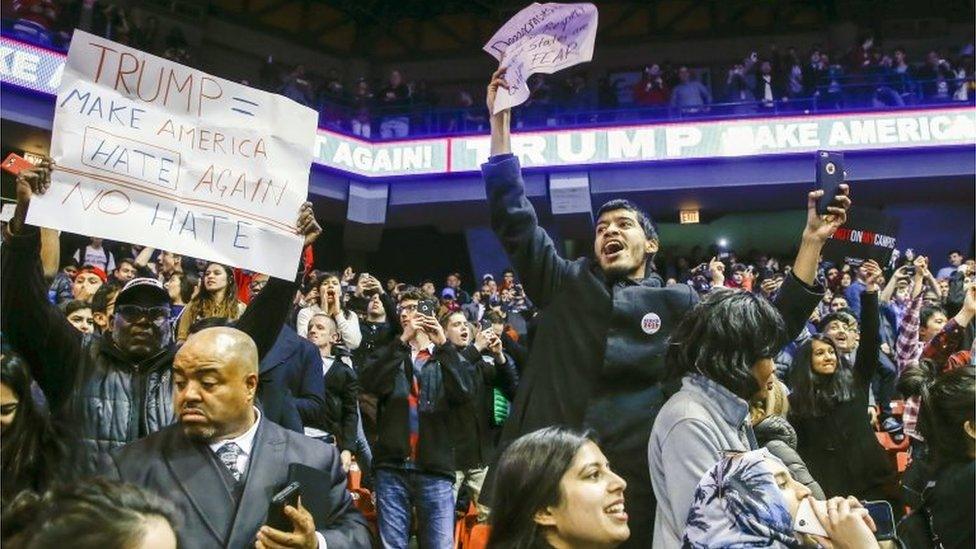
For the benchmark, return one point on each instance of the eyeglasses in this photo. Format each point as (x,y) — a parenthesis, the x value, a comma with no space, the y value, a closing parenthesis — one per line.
(407,308)
(134,313)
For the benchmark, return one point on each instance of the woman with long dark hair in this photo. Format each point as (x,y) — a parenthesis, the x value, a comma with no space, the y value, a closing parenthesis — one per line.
(217,298)
(33,454)
(828,408)
(554,489)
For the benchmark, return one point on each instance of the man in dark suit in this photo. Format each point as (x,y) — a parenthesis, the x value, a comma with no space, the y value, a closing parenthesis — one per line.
(222,463)
(292,366)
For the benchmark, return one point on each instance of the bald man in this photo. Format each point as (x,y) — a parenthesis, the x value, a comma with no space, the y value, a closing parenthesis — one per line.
(221,463)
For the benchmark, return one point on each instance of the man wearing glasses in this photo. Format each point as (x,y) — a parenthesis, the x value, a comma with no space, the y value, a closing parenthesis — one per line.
(117,387)
(419,381)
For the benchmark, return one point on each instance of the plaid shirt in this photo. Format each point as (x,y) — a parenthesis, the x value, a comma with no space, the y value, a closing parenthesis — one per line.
(909,350)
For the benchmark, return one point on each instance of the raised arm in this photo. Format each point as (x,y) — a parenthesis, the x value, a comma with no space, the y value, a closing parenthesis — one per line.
(37,329)
(801,293)
(867,353)
(531,251)
(268,311)
(889,289)
(50,253)
(347,324)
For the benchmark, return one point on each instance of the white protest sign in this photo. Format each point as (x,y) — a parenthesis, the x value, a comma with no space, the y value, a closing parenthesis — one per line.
(156,153)
(542,38)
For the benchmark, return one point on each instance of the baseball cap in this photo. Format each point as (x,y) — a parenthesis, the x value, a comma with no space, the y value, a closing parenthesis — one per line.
(137,287)
(487,277)
(97,271)
(448,293)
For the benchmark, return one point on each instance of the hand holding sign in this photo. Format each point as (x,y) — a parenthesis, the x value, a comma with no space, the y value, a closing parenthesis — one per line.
(497,82)
(307,225)
(542,38)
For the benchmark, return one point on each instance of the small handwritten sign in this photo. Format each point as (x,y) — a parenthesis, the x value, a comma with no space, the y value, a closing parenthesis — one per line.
(156,153)
(542,38)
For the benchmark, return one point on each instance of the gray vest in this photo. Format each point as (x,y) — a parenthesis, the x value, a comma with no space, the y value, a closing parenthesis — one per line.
(117,403)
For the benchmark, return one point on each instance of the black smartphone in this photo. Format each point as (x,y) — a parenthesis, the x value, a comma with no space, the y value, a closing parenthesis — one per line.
(883,517)
(276,512)
(484,324)
(830,175)
(427,307)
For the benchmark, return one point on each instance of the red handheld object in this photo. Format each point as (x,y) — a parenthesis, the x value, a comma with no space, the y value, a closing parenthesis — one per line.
(14,164)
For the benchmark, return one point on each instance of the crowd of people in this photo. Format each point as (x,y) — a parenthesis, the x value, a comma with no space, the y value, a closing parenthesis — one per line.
(771,80)
(613,400)
(51,23)
(866,76)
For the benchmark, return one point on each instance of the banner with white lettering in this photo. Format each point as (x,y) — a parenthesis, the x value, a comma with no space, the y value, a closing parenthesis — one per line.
(868,234)
(542,38)
(156,153)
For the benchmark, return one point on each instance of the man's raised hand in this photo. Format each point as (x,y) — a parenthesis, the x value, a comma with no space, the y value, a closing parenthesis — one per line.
(497,81)
(307,226)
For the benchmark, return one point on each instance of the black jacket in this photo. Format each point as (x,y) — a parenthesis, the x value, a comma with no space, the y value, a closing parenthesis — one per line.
(779,437)
(294,368)
(840,447)
(388,374)
(88,381)
(340,416)
(591,364)
(951,504)
(475,432)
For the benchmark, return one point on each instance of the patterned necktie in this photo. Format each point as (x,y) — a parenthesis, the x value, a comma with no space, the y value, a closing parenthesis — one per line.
(228,454)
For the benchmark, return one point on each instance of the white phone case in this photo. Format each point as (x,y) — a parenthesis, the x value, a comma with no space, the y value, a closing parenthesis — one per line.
(806,520)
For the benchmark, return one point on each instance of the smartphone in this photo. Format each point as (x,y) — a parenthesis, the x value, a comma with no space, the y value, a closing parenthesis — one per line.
(14,164)
(806,521)
(427,307)
(830,175)
(484,324)
(276,513)
(884,519)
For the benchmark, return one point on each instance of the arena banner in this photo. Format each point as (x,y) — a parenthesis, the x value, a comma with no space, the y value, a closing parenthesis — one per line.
(728,138)
(381,159)
(541,38)
(29,66)
(154,152)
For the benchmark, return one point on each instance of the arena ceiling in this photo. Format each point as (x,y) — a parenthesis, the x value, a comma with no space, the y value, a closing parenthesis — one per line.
(390,30)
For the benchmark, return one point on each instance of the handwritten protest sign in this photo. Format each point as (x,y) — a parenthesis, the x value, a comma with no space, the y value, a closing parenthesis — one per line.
(156,153)
(542,38)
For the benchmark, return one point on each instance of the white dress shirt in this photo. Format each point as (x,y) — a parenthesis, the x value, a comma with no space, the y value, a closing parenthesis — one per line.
(244,441)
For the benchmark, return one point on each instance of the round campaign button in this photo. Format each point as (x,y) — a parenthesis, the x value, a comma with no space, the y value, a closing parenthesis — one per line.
(651,323)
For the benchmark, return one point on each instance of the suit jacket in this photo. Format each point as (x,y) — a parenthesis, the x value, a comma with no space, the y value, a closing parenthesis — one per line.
(294,367)
(185,472)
